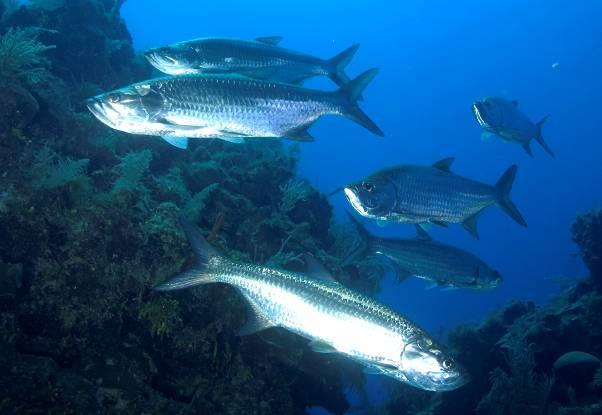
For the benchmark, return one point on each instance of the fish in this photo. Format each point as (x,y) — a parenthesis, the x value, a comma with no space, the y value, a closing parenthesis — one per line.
(443,265)
(261,58)
(332,317)
(228,107)
(430,195)
(503,118)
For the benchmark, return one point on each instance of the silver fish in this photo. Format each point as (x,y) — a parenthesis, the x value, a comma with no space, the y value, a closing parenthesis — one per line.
(503,118)
(229,107)
(430,194)
(334,318)
(261,58)
(443,265)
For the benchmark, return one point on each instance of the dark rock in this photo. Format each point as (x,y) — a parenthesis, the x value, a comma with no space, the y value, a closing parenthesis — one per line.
(587,233)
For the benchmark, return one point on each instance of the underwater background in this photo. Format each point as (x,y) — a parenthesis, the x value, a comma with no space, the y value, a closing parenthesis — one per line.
(88,219)
(435,60)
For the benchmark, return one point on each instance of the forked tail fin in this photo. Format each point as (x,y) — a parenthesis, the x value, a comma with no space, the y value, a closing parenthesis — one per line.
(503,187)
(339,63)
(352,92)
(539,137)
(201,272)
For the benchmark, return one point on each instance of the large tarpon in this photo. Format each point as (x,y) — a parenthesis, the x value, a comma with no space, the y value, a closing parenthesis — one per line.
(334,318)
(430,194)
(261,58)
(503,118)
(229,107)
(444,265)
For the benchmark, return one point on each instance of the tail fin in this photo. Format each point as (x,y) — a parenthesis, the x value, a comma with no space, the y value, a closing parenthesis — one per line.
(339,62)
(539,137)
(502,192)
(352,92)
(200,274)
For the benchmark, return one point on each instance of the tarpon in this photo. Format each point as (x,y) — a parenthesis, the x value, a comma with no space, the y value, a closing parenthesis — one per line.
(229,107)
(502,117)
(334,318)
(261,58)
(443,265)
(430,194)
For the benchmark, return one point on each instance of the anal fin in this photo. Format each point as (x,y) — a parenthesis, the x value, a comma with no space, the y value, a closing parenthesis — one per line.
(470,224)
(299,134)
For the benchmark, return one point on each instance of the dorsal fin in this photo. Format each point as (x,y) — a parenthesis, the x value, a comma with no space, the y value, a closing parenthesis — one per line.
(444,164)
(269,40)
(422,234)
(317,270)
(515,103)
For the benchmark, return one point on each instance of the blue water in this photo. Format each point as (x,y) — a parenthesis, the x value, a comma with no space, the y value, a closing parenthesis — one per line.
(435,59)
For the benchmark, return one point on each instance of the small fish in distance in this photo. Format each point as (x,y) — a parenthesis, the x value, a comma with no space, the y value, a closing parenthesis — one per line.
(229,107)
(334,318)
(430,194)
(502,117)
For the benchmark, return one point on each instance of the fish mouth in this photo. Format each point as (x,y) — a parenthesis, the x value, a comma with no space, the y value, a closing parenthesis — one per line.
(355,201)
(455,383)
(100,110)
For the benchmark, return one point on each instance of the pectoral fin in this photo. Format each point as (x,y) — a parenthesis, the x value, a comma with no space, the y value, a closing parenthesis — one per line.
(486,135)
(256,322)
(321,347)
(381,223)
(317,270)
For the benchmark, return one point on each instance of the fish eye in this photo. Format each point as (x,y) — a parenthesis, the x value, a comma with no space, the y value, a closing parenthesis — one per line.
(368,187)
(447,364)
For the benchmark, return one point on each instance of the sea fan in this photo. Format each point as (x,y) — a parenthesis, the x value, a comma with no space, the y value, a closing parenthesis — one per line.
(293,192)
(49,173)
(131,169)
(196,204)
(21,59)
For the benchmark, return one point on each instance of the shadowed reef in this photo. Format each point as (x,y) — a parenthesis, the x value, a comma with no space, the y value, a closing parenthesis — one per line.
(88,218)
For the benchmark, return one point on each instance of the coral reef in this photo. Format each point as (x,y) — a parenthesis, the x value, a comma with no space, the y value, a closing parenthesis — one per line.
(511,356)
(88,218)
(587,233)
